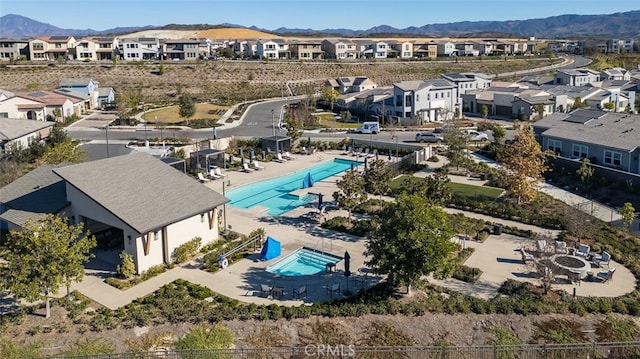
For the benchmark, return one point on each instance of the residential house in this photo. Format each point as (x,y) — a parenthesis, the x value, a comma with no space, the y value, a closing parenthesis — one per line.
(307,50)
(616,73)
(400,49)
(20,133)
(180,49)
(57,106)
(4,94)
(138,49)
(83,85)
(340,49)
(466,49)
(106,48)
(121,210)
(13,49)
(371,104)
(425,49)
(86,50)
(532,107)
(607,139)
(106,97)
(498,100)
(20,107)
(576,77)
(426,100)
(484,48)
(273,49)
(466,82)
(351,84)
(446,48)
(521,48)
(52,48)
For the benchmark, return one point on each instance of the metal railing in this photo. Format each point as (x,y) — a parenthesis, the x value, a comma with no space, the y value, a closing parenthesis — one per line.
(525,351)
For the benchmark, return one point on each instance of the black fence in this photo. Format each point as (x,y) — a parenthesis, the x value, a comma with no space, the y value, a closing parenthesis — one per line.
(627,350)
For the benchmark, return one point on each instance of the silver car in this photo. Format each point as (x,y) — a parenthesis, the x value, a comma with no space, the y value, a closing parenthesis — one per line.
(428,137)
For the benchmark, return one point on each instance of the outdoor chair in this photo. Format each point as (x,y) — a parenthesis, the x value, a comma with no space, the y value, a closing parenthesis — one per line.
(245,168)
(583,250)
(361,280)
(606,275)
(300,292)
(213,175)
(604,258)
(333,289)
(288,156)
(526,257)
(265,290)
(279,158)
(202,178)
(218,172)
(256,165)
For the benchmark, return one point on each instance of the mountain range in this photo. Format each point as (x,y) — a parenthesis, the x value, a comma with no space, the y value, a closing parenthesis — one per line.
(620,25)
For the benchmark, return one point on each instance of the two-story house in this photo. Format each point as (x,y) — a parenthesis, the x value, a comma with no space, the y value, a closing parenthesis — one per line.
(351,84)
(86,50)
(446,49)
(267,49)
(400,49)
(307,50)
(466,49)
(340,49)
(426,100)
(180,49)
(422,49)
(576,77)
(137,49)
(13,49)
(52,48)
(616,73)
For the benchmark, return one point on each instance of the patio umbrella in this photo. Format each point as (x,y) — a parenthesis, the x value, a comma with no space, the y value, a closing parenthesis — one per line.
(366,160)
(352,166)
(347,271)
(376,152)
(242,161)
(389,155)
(309,141)
(320,195)
(252,154)
(307,182)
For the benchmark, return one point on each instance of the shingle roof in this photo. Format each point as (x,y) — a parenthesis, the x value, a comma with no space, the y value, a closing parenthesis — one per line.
(141,191)
(83,81)
(11,129)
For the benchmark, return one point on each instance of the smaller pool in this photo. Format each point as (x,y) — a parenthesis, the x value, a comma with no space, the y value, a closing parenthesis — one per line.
(304,261)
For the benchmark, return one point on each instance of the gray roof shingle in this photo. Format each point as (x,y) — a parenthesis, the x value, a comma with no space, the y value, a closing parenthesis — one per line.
(141,191)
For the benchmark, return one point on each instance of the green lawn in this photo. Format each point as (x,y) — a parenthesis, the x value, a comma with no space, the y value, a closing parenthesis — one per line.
(328,120)
(482,193)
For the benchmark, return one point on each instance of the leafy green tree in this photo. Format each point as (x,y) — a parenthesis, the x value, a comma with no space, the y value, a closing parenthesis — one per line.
(187,106)
(628,213)
(412,185)
(437,188)
(609,106)
(44,255)
(377,178)
(127,267)
(456,147)
(539,111)
(411,238)
(525,162)
(330,95)
(484,111)
(577,103)
(351,192)
(585,171)
(293,125)
(67,151)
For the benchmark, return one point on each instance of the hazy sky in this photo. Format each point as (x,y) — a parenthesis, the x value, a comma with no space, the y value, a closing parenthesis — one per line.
(314,14)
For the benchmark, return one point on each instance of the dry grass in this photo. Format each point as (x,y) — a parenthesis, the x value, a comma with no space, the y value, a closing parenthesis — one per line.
(172,114)
(235,33)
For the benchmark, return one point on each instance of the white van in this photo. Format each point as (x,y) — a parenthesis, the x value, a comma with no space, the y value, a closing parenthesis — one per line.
(368,127)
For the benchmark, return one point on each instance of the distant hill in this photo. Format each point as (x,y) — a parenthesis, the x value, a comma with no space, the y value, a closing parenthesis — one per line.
(19,26)
(621,25)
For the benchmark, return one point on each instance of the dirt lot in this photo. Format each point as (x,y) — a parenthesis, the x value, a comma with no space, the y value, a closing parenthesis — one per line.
(238,80)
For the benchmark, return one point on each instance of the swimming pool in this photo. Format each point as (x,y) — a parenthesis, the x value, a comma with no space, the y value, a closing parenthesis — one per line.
(274,194)
(304,261)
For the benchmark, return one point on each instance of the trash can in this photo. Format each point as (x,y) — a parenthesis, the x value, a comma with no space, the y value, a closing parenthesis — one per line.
(497,229)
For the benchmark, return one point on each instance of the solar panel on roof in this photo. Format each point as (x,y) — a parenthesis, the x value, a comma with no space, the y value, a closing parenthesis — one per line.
(58,38)
(37,94)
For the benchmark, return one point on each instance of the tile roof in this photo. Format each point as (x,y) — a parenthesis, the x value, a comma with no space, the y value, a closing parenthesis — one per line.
(141,191)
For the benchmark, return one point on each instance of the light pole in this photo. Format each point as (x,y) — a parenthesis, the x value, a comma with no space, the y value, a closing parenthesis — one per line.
(224,206)
(273,123)
(106,134)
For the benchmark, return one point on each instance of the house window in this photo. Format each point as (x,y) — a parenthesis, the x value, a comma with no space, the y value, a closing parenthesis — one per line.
(580,151)
(554,145)
(612,158)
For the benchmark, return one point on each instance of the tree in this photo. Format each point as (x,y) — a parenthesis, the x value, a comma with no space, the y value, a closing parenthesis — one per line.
(66,151)
(187,106)
(293,125)
(330,95)
(628,213)
(539,111)
(437,188)
(456,147)
(577,103)
(484,111)
(127,267)
(609,106)
(377,178)
(585,171)
(525,162)
(411,238)
(351,192)
(44,255)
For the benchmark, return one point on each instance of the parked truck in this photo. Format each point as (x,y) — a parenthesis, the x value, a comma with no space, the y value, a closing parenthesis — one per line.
(368,127)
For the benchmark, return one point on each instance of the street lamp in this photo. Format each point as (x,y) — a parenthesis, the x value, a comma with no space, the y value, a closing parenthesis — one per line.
(273,122)
(224,206)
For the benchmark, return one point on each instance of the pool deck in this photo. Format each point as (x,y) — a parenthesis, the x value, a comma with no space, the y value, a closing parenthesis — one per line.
(497,257)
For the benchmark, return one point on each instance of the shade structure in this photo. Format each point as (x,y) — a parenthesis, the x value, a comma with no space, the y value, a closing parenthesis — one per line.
(347,264)
(270,249)
(308,181)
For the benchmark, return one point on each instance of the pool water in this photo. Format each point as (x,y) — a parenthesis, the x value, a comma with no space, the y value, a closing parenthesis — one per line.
(304,261)
(274,194)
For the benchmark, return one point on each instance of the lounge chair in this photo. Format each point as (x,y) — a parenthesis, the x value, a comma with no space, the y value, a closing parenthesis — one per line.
(602,259)
(606,275)
(526,257)
(279,158)
(362,280)
(333,289)
(256,165)
(202,178)
(300,292)
(583,250)
(288,156)
(218,172)
(265,290)
(213,175)
(245,168)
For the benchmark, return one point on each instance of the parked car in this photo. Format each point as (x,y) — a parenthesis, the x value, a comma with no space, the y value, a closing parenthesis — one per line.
(474,135)
(428,137)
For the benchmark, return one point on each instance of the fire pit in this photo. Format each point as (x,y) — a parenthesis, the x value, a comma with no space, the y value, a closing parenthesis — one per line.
(567,264)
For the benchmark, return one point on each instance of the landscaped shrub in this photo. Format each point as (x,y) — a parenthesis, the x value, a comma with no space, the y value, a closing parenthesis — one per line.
(206,337)
(341,224)
(186,250)
(127,268)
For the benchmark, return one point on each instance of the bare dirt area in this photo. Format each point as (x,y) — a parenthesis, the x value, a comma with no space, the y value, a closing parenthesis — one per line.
(239,80)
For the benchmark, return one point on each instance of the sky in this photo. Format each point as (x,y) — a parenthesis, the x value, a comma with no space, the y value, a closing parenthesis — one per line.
(313,14)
